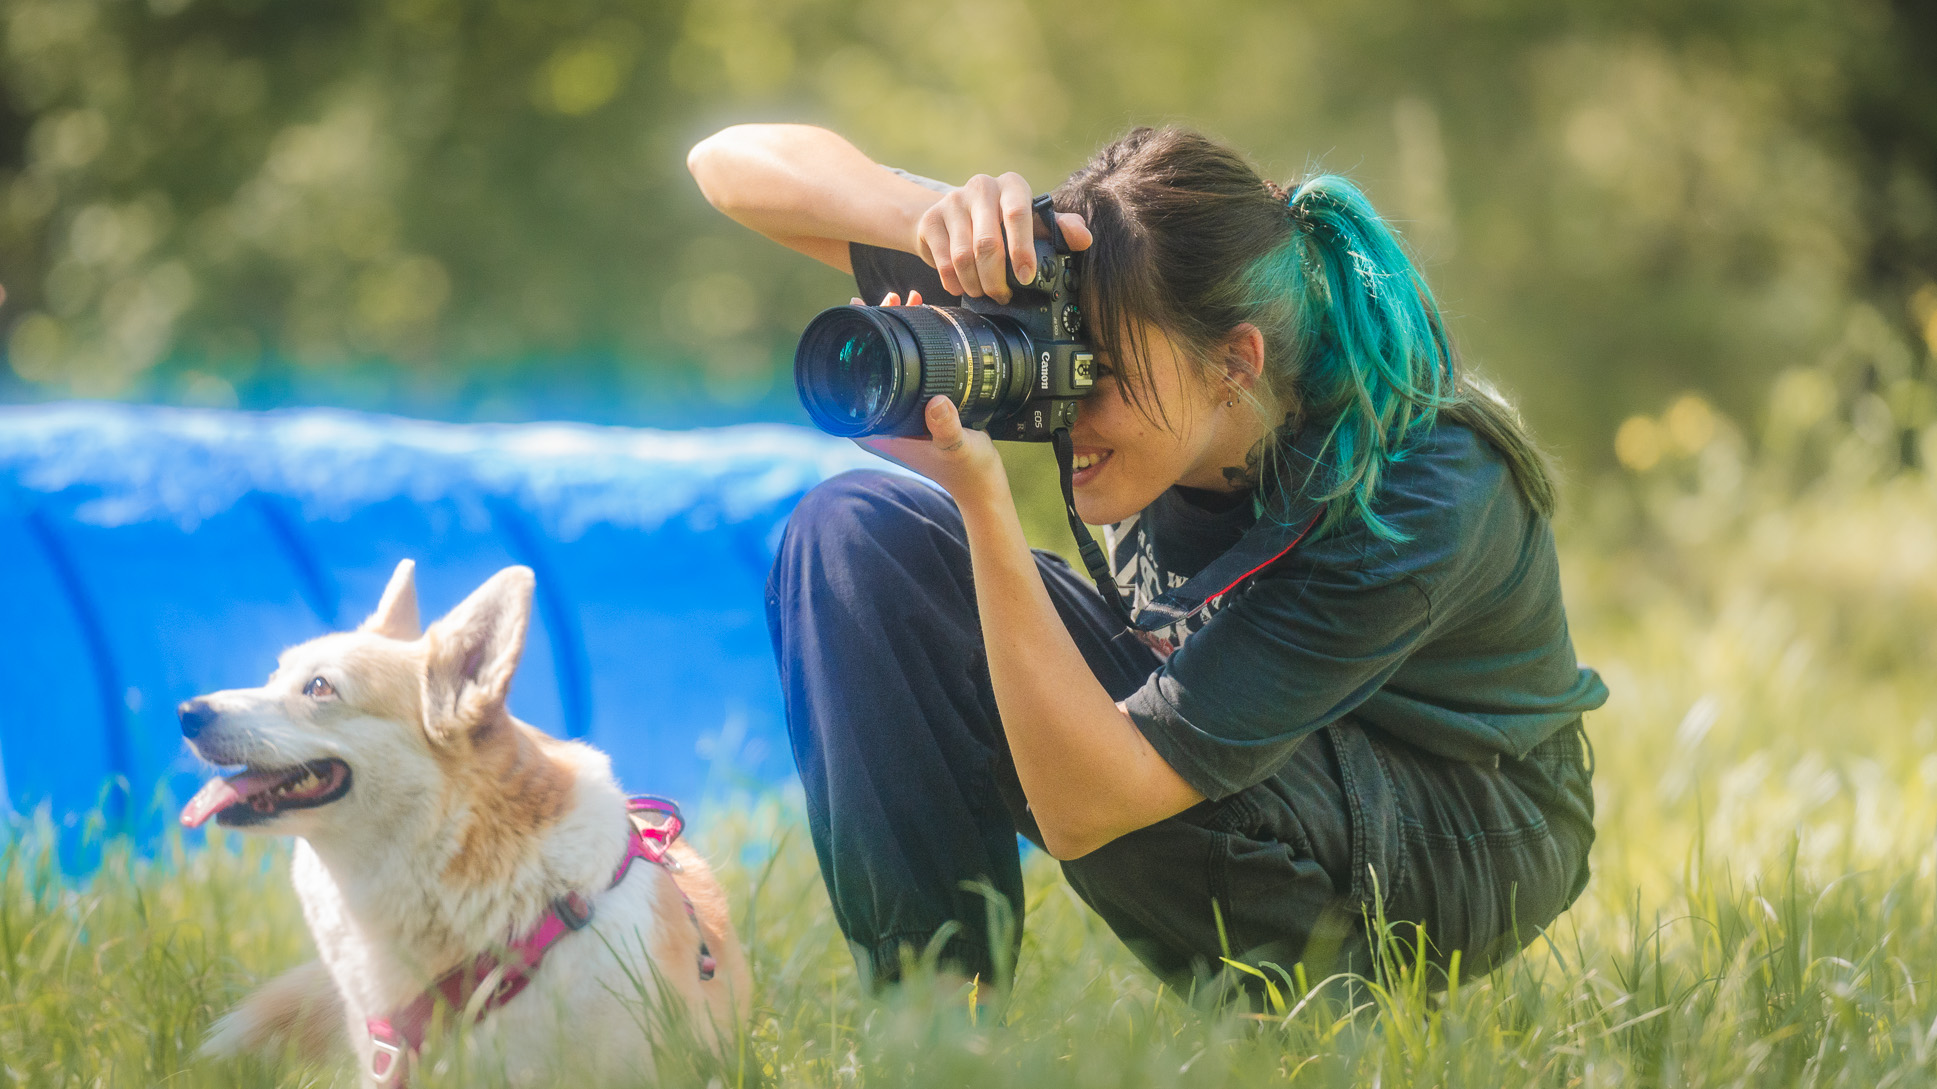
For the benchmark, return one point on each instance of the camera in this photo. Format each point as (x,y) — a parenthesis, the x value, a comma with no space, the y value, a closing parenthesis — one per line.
(1015,370)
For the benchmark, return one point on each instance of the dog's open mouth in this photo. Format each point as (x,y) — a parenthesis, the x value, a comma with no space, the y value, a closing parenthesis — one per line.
(254,795)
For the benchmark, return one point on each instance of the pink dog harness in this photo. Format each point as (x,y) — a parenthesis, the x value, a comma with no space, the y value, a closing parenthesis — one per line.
(398,1037)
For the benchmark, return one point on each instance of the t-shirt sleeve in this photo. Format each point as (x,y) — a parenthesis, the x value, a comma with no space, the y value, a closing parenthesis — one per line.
(878,271)
(1294,654)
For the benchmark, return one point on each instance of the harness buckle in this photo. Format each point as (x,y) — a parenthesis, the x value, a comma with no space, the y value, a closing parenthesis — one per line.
(386,1054)
(574,910)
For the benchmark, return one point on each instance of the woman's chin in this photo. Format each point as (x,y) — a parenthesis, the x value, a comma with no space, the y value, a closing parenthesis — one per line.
(1112,490)
(1099,508)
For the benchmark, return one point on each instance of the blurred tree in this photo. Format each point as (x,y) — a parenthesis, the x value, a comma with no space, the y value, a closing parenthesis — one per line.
(479,208)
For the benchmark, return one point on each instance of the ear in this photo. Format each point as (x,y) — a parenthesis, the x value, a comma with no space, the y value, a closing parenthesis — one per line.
(473,652)
(1244,356)
(396,615)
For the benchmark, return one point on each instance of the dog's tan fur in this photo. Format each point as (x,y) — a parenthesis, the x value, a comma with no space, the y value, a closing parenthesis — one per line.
(509,763)
(492,819)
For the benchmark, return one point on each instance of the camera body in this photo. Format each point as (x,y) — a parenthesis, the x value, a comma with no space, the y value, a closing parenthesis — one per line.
(1050,317)
(1016,370)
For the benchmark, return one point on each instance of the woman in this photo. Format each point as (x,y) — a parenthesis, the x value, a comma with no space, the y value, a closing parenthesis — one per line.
(1386,717)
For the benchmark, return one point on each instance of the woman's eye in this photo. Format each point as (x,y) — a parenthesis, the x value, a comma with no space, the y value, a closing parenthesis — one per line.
(318,688)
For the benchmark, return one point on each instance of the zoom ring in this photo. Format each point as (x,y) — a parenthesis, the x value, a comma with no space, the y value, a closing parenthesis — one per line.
(941,355)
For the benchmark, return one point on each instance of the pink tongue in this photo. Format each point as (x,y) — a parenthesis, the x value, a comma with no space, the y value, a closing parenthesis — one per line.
(219,794)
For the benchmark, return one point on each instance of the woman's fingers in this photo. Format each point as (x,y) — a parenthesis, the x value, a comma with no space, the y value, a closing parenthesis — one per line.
(975,234)
(892,298)
(961,244)
(1017,215)
(945,425)
(931,238)
(960,460)
(1075,231)
(991,252)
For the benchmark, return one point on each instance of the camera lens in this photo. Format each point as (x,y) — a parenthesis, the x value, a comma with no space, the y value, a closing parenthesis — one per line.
(868,370)
(855,377)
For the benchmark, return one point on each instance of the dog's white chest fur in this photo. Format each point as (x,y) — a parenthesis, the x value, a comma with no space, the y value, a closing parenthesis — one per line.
(581,992)
(386,929)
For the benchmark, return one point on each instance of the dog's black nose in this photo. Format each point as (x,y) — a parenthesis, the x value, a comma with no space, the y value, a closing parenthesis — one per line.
(196,714)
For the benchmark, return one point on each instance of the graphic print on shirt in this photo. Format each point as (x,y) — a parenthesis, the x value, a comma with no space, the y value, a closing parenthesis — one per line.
(1134,566)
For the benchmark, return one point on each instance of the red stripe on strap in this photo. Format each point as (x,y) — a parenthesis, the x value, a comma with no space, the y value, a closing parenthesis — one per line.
(1279,555)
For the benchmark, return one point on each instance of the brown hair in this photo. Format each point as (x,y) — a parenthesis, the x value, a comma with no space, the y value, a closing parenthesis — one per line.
(1192,241)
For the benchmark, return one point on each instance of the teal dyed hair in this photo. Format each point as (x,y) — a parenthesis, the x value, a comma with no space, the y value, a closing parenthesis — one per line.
(1191,239)
(1364,350)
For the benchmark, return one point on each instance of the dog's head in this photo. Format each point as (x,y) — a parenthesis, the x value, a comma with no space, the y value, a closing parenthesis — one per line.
(365,720)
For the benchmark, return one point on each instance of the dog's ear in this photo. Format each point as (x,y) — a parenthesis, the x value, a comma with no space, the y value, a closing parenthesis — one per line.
(473,653)
(396,615)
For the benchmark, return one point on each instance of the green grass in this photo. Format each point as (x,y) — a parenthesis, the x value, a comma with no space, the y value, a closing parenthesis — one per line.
(1764,908)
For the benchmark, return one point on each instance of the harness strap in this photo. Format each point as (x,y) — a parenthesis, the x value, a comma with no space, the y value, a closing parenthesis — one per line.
(658,832)
(486,983)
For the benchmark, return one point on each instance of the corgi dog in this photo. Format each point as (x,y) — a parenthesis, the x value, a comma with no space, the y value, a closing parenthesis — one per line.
(457,866)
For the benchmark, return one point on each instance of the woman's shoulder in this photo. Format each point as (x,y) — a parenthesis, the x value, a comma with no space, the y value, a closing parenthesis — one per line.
(1449,499)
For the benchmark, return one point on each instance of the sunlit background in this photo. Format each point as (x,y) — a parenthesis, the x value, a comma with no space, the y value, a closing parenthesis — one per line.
(480,211)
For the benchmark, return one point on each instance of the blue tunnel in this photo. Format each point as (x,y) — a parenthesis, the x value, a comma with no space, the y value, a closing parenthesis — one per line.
(152,554)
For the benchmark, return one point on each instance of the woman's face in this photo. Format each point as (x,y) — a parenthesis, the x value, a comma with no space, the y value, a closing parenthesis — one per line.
(1124,459)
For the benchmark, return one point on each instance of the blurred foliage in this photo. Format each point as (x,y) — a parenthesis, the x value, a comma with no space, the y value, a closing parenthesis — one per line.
(479,209)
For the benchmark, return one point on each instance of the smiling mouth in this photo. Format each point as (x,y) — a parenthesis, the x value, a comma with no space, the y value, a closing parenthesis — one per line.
(255,795)
(1084,467)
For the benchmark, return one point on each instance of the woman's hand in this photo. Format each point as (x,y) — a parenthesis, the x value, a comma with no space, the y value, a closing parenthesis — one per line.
(962,460)
(974,234)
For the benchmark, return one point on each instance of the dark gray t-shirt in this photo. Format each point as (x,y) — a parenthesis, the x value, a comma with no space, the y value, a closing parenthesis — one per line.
(1453,640)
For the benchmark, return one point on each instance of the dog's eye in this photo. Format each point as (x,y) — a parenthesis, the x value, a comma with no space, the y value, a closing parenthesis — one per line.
(318,689)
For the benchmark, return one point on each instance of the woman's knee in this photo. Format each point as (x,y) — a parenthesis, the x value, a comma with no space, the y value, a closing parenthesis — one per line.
(870,543)
(867,508)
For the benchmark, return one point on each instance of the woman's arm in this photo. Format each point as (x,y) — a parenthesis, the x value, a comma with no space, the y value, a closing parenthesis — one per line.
(808,189)
(1089,774)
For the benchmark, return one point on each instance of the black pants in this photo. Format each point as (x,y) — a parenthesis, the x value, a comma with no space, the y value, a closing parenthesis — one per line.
(912,797)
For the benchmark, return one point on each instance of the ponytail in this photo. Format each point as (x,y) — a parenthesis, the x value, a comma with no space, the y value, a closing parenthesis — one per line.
(1369,358)
(1369,347)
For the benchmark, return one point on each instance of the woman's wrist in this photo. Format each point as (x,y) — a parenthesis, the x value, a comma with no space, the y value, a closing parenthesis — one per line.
(987,499)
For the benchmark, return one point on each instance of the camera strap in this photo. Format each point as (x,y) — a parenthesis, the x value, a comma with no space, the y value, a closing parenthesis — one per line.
(1094,561)
(1265,543)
